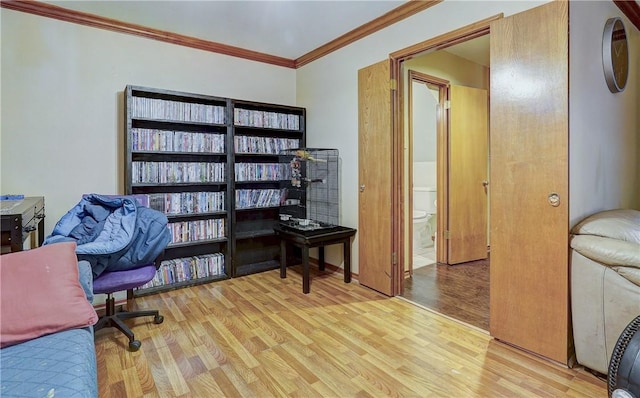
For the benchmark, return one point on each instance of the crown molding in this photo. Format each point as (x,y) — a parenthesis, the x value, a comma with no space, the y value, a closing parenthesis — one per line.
(64,14)
(95,21)
(630,8)
(396,15)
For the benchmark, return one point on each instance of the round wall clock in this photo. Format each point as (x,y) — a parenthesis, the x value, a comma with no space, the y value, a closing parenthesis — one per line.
(615,54)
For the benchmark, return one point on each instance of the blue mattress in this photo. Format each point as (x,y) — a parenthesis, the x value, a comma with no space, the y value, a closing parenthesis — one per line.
(57,365)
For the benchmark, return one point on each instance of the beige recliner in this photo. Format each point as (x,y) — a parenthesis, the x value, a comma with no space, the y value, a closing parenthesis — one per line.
(605,283)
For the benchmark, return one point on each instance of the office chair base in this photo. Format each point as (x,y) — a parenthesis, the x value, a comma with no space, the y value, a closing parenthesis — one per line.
(115,319)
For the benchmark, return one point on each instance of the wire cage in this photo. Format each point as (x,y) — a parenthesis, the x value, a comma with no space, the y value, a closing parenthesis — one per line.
(310,197)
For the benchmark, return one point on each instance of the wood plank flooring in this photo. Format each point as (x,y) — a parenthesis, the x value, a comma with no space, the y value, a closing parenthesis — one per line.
(460,291)
(259,336)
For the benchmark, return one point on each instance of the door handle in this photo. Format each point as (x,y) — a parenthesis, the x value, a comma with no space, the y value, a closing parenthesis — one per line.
(485,183)
(554,199)
(361,187)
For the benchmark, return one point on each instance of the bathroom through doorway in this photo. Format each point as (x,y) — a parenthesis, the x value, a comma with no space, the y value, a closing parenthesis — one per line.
(437,153)
(424,109)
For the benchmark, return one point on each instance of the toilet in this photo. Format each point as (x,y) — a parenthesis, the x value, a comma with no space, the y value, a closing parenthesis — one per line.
(424,207)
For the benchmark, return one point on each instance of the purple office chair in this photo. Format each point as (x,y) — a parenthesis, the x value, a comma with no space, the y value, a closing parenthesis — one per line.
(129,262)
(110,282)
(114,281)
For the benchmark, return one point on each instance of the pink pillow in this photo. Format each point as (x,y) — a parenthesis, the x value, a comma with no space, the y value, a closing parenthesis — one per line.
(40,294)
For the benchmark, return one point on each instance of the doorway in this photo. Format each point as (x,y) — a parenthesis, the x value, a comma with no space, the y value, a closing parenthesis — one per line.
(528,232)
(380,127)
(439,155)
(425,127)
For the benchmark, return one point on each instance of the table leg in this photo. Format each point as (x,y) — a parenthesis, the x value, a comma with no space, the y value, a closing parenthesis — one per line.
(305,269)
(41,232)
(321,258)
(16,234)
(283,258)
(347,261)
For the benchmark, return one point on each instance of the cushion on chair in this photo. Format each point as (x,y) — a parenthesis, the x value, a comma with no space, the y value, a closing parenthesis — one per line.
(620,224)
(629,273)
(605,283)
(608,251)
(612,238)
(116,281)
(41,294)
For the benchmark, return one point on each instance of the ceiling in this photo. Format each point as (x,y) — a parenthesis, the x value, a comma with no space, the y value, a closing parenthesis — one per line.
(475,50)
(286,29)
(283,28)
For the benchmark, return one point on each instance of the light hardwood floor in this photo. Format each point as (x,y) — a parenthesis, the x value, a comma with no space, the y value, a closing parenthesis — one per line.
(259,336)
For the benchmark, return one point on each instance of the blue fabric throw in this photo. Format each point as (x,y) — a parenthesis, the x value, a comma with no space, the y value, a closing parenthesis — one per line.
(113,233)
(62,364)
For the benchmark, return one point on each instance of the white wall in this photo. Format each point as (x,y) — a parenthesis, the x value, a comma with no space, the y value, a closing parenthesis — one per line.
(604,128)
(424,103)
(62,102)
(447,66)
(61,131)
(328,88)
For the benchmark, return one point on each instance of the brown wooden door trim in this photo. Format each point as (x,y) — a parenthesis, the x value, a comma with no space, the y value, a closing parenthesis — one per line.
(399,200)
(442,121)
(449,39)
(397,181)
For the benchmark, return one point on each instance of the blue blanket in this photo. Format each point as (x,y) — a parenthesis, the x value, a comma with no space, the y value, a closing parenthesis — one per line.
(113,233)
(57,365)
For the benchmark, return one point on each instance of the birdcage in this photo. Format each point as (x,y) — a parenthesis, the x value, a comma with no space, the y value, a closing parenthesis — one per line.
(310,197)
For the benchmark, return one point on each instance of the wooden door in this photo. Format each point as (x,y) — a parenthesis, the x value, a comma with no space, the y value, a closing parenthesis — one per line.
(468,174)
(529,279)
(375,178)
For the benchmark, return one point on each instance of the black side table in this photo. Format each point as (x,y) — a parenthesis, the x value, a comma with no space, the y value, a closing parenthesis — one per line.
(318,238)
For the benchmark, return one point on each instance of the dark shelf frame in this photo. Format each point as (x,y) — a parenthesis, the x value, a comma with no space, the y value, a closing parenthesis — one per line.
(252,268)
(196,242)
(179,285)
(251,244)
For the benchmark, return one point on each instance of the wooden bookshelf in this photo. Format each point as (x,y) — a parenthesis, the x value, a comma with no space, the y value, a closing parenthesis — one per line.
(260,132)
(211,165)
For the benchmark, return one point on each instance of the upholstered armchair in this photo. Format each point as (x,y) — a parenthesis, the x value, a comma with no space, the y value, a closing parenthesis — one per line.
(605,283)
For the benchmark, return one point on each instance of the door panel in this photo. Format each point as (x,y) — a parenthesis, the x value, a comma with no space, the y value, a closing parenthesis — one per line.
(375,177)
(529,279)
(468,157)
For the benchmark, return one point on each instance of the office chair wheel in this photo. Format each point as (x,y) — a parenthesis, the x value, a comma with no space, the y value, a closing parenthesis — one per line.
(134,345)
(158,319)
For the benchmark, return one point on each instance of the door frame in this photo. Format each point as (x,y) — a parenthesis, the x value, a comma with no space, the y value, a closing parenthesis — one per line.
(400,200)
(442,139)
